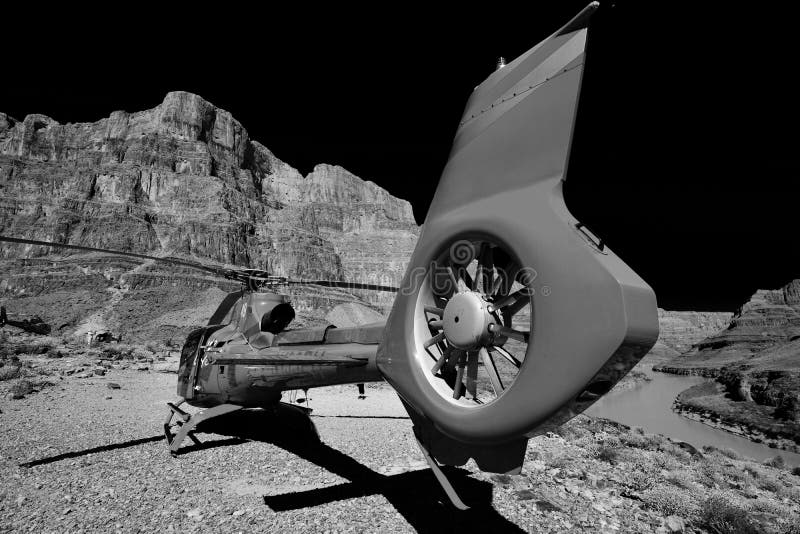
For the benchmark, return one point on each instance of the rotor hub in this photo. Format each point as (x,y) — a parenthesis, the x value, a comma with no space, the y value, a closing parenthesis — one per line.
(466,321)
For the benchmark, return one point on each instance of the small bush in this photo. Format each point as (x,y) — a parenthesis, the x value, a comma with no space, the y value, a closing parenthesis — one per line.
(54,353)
(722,514)
(796,471)
(730,453)
(641,480)
(709,475)
(118,353)
(9,372)
(608,454)
(769,484)
(679,453)
(777,462)
(664,460)
(792,493)
(21,388)
(635,440)
(30,348)
(667,501)
(752,472)
(768,507)
(680,479)
(561,461)
(608,440)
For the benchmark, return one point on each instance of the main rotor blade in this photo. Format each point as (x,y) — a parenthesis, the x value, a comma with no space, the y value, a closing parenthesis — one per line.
(340,284)
(242,275)
(185,263)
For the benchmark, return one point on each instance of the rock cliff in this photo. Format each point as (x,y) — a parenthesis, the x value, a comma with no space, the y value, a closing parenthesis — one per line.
(757,361)
(184,179)
(763,325)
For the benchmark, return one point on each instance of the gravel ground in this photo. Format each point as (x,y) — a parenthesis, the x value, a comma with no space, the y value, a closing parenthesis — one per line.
(80,457)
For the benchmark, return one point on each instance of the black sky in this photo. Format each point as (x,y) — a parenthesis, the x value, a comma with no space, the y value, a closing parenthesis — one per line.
(684,161)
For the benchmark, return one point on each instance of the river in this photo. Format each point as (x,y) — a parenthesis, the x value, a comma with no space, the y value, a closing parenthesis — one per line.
(649,405)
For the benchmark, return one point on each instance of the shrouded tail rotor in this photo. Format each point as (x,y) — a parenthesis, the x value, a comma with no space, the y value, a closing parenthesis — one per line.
(512,318)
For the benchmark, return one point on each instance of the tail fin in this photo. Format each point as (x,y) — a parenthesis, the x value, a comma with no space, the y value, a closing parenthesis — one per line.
(498,240)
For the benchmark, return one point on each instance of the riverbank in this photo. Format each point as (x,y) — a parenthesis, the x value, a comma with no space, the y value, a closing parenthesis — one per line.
(708,403)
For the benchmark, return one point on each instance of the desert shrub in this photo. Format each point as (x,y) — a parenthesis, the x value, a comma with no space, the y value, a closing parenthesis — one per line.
(752,472)
(635,440)
(735,475)
(54,353)
(641,480)
(667,501)
(152,347)
(777,462)
(720,513)
(561,461)
(768,506)
(666,461)
(708,474)
(680,479)
(608,454)
(21,388)
(9,372)
(608,440)
(792,493)
(730,453)
(679,453)
(118,353)
(769,484)
(30,348)
(796,471)
(572,432)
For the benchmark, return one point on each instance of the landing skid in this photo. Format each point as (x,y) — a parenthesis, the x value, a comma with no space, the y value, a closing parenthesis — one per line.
(442,478)
(187,423)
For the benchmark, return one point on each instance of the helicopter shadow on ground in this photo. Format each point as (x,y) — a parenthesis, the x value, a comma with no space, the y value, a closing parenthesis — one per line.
(416,495)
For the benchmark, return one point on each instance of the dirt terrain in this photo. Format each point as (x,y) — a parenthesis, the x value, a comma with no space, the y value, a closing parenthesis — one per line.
(79,456)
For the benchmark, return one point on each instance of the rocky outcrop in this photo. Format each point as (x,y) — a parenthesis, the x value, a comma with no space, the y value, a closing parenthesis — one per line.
(185,179)
(768,321)
(756,363)
(680,330)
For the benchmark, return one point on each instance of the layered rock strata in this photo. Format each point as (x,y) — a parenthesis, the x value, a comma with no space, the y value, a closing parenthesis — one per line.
(184,179)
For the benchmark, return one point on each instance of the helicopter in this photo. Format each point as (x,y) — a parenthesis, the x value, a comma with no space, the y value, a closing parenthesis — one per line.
(512,316)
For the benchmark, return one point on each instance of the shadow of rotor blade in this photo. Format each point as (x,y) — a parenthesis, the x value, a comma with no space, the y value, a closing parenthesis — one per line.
(195,447)
(416,496)
(93,450)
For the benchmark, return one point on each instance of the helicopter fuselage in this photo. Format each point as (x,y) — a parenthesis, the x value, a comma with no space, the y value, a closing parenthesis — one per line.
(237,363)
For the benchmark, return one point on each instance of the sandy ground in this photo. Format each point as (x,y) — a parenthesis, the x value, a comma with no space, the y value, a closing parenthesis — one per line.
(80,457)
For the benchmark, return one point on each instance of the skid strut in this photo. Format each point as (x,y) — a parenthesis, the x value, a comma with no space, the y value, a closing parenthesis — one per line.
(442,478)
(187,423)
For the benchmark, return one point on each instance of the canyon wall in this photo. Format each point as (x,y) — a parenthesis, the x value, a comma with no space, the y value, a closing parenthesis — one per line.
(184,179)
